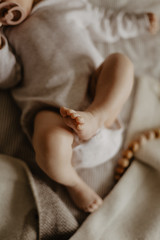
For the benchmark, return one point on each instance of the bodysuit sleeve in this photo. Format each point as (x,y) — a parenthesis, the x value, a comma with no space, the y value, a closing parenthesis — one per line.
(9,68)
(110,26)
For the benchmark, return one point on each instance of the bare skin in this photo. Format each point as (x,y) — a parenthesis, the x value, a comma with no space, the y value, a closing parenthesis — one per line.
(52,133)
(83,123)
(108,102)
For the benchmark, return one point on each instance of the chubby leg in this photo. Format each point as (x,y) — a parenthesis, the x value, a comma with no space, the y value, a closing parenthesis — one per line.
(52,141)
(114,85)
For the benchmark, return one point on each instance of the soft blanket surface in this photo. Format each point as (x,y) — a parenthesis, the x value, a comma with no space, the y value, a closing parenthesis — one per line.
(18,210)
(131,210)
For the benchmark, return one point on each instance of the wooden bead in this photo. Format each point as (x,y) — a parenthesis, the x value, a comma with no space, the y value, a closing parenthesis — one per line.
(157,132)
(134,146)
(142,139)
(120,170)
(123,162)
(151,135)
(127,154)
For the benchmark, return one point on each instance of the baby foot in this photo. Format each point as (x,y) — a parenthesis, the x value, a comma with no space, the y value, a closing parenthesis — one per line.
(154,25)
(83,123)
(85,198)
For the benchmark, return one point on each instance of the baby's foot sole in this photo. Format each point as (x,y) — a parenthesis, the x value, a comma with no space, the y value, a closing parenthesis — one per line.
(72,118)
(83,123)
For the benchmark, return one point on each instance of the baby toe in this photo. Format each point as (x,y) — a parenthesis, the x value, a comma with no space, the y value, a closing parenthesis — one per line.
(79,120)
(80,127)
(72,111)
(63,111)
(92,207)
(69,112)
(74,115)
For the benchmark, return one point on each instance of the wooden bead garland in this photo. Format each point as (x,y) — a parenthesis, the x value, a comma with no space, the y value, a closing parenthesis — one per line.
(128,154)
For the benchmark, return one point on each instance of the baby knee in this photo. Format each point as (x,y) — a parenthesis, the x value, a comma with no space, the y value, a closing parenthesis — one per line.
(52,144)
(127,62)
(120,58)
(51,155)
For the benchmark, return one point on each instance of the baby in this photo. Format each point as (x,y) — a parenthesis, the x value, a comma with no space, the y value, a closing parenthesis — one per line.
(61,82)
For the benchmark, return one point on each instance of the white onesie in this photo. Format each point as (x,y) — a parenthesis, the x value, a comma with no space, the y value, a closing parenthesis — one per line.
(99,149)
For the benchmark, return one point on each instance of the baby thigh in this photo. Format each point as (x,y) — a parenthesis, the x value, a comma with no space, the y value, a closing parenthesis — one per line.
(52,142)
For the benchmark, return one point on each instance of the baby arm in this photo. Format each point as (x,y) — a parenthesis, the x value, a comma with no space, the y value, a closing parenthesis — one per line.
(9,68)
(110,26)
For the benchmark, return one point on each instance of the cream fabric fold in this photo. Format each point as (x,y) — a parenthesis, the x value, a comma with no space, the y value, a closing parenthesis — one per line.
(18,209)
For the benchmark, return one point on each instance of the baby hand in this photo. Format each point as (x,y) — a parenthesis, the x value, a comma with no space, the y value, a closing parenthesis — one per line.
(154,24)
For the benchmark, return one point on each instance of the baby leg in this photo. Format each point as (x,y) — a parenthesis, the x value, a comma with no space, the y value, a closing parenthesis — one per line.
(52,141)
(114,84)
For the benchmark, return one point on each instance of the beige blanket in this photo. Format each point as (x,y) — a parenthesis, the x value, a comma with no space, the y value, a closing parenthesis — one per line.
(18,210)
(132,209)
